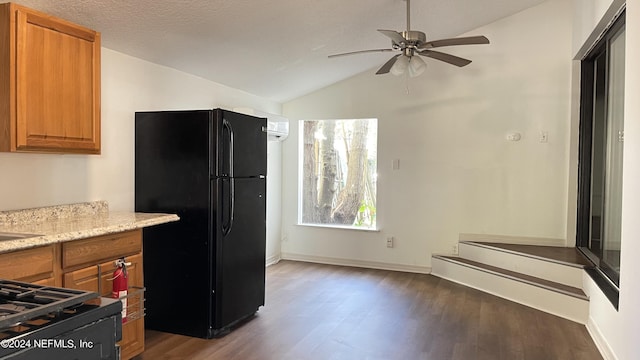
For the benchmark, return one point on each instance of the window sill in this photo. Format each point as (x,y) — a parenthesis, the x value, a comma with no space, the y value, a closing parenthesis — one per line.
(338,227)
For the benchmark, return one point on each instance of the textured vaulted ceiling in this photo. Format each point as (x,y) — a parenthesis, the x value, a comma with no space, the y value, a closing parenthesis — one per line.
(276,49)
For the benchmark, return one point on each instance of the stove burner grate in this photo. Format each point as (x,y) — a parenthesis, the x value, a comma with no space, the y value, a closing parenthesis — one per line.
(20,301)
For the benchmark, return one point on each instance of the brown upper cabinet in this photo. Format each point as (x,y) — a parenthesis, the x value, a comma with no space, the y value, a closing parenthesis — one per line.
(49,84)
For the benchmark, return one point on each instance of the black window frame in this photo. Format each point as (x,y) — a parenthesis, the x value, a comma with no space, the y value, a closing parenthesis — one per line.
(605,277)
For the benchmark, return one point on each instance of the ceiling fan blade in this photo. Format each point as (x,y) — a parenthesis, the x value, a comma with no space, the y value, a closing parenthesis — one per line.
(387,66)
(471,40)
(394,35)
(448,58)
(360,52)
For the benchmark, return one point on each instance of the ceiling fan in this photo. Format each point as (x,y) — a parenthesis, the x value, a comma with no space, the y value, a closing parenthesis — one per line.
(411,43)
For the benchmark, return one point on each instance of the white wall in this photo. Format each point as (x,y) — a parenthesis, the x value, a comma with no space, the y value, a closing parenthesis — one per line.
(274,201)
(586,16)
(128,85)
(616,331)
(629,320)
(458,173)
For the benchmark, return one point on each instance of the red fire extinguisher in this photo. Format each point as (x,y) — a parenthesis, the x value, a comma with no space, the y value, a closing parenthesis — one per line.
(120,285)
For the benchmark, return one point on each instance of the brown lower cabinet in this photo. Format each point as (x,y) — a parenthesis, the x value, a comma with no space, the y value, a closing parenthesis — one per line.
(88,264)
(99,278)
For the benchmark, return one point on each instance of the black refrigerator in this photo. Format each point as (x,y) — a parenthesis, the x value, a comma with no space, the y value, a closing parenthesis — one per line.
(204,273)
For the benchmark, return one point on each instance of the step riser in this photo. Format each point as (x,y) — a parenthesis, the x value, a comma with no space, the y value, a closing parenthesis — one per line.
(542,299)
(559,273)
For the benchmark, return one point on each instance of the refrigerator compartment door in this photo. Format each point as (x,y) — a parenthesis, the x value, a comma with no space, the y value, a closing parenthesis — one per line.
(242,145)
(240,256)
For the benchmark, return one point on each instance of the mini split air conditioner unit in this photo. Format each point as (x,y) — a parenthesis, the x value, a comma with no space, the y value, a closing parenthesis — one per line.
(277,125)
(277,129)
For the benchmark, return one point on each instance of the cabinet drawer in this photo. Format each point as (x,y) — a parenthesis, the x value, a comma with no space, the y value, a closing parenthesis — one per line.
(96,249)
(27,263)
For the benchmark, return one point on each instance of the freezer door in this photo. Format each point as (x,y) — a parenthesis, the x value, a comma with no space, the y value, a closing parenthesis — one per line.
(241,146)
(240,255)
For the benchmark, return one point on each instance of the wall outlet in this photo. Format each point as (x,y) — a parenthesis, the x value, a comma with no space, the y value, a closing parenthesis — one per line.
(390,242)
(455,249)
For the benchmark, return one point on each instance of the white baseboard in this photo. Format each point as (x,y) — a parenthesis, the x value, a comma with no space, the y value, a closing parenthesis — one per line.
(272,260)
(508,239)
(357,263)
(600,341)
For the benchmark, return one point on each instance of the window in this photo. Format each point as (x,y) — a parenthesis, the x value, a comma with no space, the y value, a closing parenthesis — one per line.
(338,165)
(600,157)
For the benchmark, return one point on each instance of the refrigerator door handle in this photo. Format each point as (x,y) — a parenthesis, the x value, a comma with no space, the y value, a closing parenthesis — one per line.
(226,228)
(232,203)
(227,125)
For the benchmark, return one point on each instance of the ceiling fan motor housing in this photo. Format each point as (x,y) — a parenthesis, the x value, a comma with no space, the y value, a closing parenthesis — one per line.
(414,37)
(413,40)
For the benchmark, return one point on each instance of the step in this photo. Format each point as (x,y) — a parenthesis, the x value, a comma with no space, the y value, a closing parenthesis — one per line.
(545,262)
(548,296)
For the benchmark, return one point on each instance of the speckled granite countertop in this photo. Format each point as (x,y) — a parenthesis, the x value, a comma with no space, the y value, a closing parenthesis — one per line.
(61,223)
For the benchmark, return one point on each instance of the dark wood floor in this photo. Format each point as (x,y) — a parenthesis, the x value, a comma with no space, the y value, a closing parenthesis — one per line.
(329,312)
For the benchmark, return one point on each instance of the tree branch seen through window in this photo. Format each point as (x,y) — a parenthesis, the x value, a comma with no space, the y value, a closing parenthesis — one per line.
(339,162)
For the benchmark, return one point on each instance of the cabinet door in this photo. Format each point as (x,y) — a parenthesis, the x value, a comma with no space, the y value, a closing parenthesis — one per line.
(132,342)
(57,85)
(99,278)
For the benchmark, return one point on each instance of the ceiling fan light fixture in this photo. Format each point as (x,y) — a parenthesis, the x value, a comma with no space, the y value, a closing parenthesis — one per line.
(416,66)
(400,66)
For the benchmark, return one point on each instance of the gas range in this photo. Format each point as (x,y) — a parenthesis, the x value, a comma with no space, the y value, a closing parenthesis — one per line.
(43,322)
